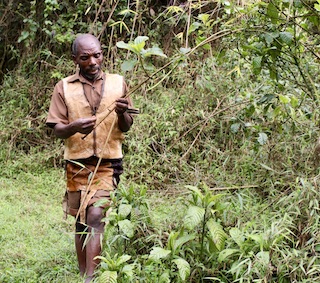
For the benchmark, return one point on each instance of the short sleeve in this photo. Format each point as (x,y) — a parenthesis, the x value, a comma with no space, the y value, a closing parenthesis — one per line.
(58,112)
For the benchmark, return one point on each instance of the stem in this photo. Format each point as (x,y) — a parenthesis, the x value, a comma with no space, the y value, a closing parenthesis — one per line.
(203,233)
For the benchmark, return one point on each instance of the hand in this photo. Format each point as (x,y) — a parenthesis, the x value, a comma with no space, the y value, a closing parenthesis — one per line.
(121,106)
(84,125)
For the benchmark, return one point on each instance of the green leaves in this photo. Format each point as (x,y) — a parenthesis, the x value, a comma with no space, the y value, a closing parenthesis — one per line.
(127,227)
(183,268)
(158,253)
(108,277)
(193,217)
(137,47)
(273,12)
(216,234)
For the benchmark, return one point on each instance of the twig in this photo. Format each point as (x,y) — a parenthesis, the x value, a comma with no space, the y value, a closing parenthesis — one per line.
(204,124)
(234,188)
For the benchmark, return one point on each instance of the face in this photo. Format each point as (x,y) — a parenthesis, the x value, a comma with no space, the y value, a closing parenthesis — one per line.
(89,57)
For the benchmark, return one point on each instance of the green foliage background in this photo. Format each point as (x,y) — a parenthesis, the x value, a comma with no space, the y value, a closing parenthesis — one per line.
(236,110)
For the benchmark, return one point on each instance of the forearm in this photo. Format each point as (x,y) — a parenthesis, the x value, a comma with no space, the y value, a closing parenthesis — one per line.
(63,131)
(125,121)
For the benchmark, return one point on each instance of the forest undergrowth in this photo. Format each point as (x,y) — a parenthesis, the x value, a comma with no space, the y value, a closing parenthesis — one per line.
(221,165)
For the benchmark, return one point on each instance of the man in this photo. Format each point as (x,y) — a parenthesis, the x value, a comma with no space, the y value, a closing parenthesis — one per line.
(81,113)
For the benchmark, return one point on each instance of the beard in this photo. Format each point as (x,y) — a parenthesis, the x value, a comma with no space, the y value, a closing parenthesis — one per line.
(90,77)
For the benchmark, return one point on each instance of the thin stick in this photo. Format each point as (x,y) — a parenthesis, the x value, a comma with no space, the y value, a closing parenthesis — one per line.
(127,95)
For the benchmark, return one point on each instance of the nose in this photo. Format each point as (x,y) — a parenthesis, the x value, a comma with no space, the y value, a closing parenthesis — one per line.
(92,61)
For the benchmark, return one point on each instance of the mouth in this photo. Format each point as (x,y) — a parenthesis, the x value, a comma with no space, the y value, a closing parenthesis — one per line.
(93,70)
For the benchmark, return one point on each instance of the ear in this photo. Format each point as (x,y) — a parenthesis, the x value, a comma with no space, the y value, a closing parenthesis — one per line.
(74,59)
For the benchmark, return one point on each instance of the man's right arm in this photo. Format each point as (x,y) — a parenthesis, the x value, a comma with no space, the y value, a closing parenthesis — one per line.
(82,125)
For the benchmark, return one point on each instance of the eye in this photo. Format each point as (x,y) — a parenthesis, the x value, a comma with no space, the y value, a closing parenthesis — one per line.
(97,55)
(84,58)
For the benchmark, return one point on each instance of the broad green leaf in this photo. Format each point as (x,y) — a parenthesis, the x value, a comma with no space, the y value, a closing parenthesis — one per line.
(224,254)
(128,270)
(193,27)
(158,253)
(153,51)
(204,18)
(124,210)
(193,217)
(180,241)
(183,268)
(126,227)
(24,35)
(122,259)
(108,277)
(272,13)
(286,37)
(195,190)
(171,240)
(268,38)
(294,102)
(256,64)
(262,138)
(237,236)
(258,238)
(139,43)
(122,44)
(217,234)
(284,99)
(128,65)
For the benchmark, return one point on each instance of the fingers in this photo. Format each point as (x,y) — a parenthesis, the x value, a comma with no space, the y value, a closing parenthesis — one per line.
(121,106)
(85,125)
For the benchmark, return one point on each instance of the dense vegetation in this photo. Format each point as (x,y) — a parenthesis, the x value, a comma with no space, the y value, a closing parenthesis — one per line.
(221,180)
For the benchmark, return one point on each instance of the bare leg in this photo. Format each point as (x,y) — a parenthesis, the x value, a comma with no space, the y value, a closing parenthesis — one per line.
(95,234)
(81,252)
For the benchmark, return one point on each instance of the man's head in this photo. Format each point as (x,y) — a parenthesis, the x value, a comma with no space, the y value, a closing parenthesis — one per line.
(87,53)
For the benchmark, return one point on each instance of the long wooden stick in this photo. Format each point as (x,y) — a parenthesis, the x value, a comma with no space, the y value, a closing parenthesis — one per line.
(95,169)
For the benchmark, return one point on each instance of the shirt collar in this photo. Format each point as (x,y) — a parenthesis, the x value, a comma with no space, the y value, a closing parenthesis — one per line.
(78,77)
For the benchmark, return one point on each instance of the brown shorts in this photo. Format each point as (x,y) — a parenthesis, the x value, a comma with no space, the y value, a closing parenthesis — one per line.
(81,189)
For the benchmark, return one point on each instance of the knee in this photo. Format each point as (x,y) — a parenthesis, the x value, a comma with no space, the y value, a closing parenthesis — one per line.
(80,227)
(94,217)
